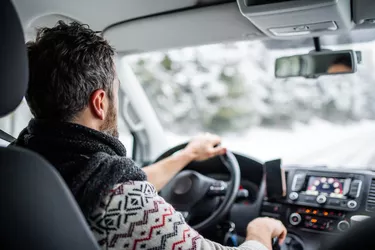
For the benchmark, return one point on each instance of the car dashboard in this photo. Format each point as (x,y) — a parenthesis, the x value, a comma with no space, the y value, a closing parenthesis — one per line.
(317,208)
(318,205)
(320,202)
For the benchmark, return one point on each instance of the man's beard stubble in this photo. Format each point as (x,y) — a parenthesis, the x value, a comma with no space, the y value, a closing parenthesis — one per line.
(109,126)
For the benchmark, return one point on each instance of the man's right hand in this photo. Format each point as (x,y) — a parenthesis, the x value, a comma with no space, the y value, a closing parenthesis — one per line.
(264,230)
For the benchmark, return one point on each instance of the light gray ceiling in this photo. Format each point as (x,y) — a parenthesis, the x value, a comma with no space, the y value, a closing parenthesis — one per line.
(99,14)
(188,28)
(125,27)
(222,22)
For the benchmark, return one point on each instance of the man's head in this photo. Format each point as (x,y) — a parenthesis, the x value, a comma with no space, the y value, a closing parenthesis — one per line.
(73,77)
(342,64)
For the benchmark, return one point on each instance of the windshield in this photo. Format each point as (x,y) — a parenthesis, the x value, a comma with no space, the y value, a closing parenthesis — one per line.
(230,89)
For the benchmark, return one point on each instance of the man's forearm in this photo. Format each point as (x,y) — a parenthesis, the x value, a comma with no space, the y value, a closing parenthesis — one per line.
(160,173)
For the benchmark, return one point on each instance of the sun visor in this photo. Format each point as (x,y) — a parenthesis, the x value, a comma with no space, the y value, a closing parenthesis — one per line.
(297,18)
(214,24)
(364,13)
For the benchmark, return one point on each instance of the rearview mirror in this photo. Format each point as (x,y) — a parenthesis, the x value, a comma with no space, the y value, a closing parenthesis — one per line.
(316,64)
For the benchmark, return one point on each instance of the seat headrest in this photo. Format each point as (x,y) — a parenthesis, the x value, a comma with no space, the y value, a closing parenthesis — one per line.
(13,59)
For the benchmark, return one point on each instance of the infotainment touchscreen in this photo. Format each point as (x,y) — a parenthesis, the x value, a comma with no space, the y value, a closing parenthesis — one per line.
(330,186)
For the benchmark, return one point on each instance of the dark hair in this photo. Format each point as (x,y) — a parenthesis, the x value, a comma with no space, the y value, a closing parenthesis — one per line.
(67,64)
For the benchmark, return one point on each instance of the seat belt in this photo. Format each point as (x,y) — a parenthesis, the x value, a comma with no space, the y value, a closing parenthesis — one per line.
(6,137)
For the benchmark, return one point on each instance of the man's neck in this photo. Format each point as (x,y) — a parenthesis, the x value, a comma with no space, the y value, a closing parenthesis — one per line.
(85,119)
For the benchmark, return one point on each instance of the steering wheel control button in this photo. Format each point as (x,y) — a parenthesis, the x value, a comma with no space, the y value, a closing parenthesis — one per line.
(218,188)
(352,204)
(343,226)
(293,196)
(321,199)
(295,219)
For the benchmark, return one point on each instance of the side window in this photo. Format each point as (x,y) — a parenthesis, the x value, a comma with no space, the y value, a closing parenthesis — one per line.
(125,136)
(15,121)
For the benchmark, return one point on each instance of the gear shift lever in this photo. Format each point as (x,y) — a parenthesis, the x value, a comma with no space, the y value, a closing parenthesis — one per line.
(291,242)
(275,244)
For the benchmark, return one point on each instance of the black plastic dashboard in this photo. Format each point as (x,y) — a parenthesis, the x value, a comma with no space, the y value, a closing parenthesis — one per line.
(319,204)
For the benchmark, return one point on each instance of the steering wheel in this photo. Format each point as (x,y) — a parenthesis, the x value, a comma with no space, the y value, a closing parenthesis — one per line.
(190,191)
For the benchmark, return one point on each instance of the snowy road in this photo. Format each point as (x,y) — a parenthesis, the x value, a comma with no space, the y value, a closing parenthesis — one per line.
(322,144)
(356,151)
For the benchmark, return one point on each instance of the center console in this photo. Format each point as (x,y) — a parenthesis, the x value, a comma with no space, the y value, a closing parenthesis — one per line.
(326,190)
(320,202)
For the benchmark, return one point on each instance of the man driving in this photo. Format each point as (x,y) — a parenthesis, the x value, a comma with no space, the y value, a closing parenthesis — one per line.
(73,95)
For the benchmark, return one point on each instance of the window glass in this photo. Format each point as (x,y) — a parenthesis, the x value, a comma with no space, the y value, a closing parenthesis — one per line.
(230,89)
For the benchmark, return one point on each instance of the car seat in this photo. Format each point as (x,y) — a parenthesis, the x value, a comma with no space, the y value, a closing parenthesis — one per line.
(37,210)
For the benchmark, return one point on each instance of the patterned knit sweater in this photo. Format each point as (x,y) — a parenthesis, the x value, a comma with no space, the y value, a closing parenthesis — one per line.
(133,216)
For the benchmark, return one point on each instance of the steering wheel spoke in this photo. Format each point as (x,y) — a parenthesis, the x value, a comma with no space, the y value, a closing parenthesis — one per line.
(200,199)
(218,188)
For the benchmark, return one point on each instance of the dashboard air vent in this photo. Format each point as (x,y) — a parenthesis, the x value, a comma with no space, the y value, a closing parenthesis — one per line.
(371,197)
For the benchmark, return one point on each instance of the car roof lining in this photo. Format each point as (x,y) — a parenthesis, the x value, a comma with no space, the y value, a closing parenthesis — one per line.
(219,23)
(98,14)
(162,25)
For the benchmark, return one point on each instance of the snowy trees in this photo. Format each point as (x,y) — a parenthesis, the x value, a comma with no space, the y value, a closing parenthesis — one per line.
(226,88)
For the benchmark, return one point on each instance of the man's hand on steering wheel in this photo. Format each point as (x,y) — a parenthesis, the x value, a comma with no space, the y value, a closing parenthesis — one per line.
(205,146)
(201,147)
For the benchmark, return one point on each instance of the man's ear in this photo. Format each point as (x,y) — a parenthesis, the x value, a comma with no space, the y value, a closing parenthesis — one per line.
(98,103)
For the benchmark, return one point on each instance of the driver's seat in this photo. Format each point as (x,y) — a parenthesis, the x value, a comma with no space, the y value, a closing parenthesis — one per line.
(37,210)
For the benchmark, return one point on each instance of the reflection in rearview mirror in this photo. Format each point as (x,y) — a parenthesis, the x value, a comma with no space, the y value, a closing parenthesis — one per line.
(316,64)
